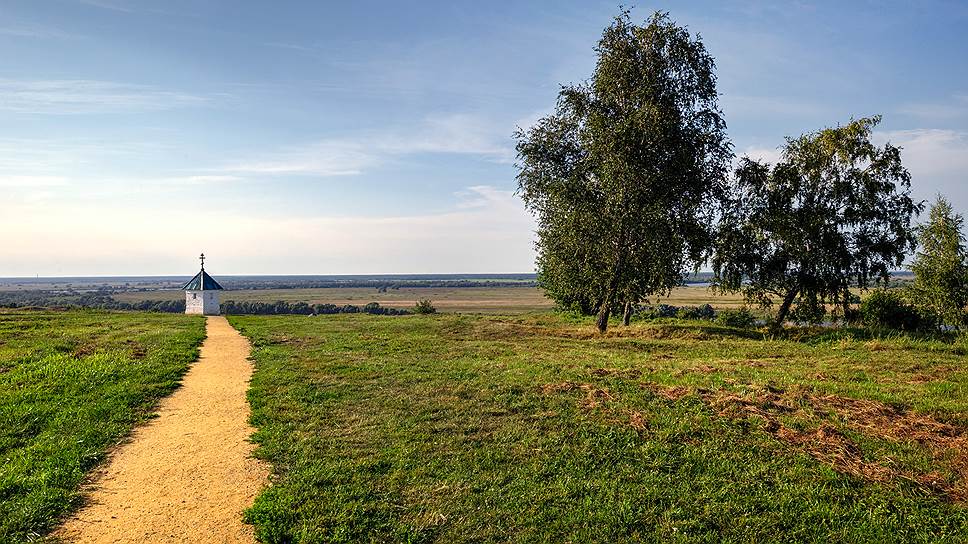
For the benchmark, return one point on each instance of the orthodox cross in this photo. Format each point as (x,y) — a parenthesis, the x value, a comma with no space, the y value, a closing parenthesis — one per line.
(202,258)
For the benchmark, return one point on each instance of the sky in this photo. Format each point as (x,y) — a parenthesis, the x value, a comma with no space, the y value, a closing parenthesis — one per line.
(312,137)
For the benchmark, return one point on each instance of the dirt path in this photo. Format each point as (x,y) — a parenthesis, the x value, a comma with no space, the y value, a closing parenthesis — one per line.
(187,475)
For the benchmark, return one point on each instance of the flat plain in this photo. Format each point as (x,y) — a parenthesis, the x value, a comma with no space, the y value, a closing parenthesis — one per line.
(488,300)
(457,428)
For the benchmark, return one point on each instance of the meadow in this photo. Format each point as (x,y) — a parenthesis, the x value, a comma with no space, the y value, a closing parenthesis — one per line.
(486,300)
(530,428)
(72,385)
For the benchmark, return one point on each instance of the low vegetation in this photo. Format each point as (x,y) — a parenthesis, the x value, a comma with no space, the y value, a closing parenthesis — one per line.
(537,429)
(72,384)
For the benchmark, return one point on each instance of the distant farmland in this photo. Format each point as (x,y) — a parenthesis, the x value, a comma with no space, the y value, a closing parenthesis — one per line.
(447,299)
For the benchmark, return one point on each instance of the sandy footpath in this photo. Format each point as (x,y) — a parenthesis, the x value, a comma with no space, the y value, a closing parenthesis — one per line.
(187,475)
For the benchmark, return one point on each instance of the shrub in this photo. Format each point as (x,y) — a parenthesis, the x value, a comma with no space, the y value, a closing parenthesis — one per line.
(884,309)
(742,319)
(424,307)
(665,310)
(705,311)
(687,313)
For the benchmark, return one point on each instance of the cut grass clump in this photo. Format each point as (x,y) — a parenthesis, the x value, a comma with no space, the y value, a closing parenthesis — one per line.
(74,384)
(494,429)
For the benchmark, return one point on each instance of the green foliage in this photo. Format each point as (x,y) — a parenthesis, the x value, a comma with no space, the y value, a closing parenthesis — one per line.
(486,429)
(834,213)
(887,309)
(622,175)
(72,384)
(704,311)
(741,319)
(941,266)
(280,307)
(424,307)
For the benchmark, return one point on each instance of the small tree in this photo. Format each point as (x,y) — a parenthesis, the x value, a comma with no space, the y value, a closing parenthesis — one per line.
(424,307)
(624,175)
(834,213)
(941,267)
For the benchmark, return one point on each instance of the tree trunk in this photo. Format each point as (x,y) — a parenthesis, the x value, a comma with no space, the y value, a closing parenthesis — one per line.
(603,313)
(627,317)
(785,307)
(846,305)
(605,310)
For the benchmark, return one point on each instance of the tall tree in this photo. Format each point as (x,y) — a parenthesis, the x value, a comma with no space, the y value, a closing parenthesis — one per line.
(835,212)
(941,266)
(624,175)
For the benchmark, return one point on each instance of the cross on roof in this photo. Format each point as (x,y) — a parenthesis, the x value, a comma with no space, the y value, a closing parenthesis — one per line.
(202,257)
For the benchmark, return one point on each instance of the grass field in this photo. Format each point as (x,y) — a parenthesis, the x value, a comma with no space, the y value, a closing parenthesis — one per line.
(72,384)
(531,429)
(489,300)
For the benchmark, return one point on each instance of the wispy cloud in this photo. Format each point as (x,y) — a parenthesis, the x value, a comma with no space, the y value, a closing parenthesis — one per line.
(955,108)
(113,5)
(450,134)
(31,181)
(28,30)
(326,158)
(81,96)
(759,153)
(931,152)
(492,235)
(937,160)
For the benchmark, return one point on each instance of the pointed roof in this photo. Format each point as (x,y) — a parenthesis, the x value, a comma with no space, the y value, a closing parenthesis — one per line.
(202,282)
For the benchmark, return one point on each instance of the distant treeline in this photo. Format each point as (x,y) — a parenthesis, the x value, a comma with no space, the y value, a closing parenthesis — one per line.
(378,284)
(104,301)
(302,308)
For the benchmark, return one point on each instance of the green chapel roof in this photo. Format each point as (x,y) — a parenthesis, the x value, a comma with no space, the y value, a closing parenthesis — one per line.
(202,282)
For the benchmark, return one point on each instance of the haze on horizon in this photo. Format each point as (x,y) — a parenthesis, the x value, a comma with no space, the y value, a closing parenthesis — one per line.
(376,138)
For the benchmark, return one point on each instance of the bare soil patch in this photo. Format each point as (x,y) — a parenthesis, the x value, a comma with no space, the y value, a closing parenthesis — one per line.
(947,443)
(815,432)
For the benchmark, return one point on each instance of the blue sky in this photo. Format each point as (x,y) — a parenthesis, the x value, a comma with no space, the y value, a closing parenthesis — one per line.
(375,137)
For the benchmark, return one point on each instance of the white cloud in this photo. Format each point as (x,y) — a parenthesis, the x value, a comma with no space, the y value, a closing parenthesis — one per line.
(204,179)
(81,96)
(450,134)
(760,153)
(324,158)
(30,181)
(494,234)
(28,30)
(955,108)
(937,160)
(112,5)
(931,152)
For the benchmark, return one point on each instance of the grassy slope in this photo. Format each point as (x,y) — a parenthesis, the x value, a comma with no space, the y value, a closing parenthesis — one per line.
(458,428)
(71,385)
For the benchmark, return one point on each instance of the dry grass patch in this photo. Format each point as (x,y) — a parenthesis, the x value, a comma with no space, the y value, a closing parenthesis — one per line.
(947,443)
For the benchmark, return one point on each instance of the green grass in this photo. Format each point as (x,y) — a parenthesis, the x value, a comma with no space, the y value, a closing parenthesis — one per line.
(72,384)
(531,429)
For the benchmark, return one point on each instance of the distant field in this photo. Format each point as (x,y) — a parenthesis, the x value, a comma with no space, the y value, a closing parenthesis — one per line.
(72,384)
(534,429)
(489,300)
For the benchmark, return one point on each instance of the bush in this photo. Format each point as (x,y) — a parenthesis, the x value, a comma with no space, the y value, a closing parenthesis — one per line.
(424,307)
(705,311)
(884,309)
(687,313)
(741,319)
